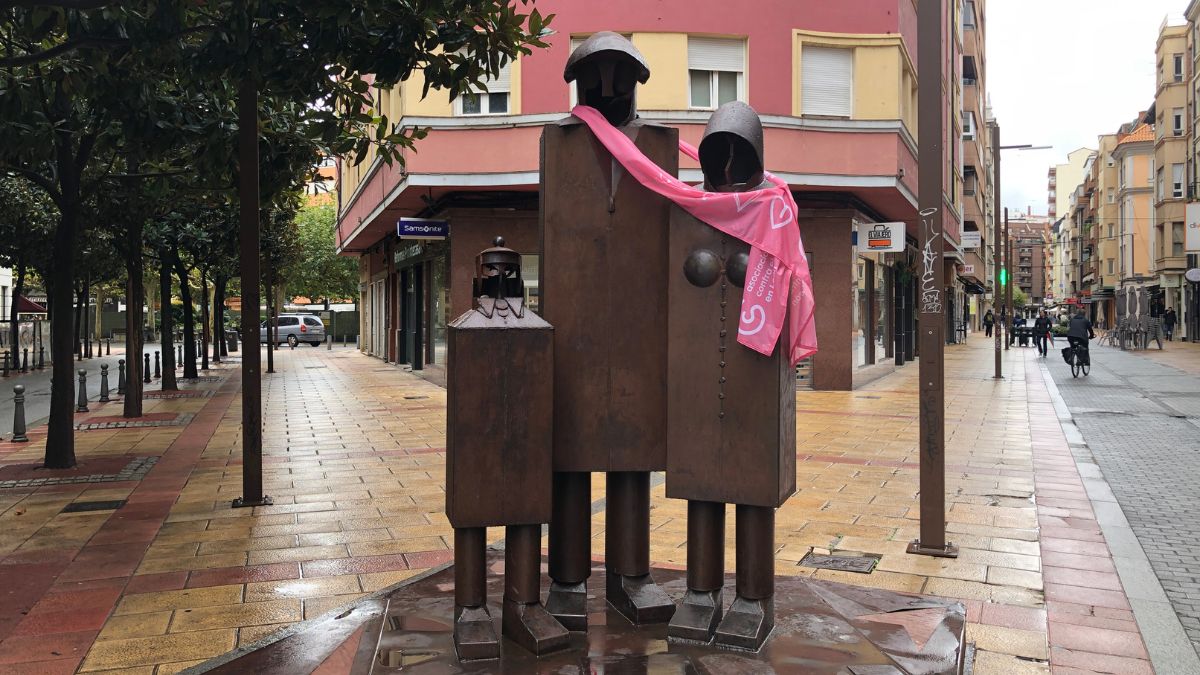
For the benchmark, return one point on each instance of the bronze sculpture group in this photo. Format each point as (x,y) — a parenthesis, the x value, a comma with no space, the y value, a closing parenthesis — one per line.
(633,367)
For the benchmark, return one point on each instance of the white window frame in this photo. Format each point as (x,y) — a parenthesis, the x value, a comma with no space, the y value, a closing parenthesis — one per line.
(811,54)
(499,85)
(1177,65)
(968,21)
(1177,176)
(969,128)
(1177,121)
(713,56)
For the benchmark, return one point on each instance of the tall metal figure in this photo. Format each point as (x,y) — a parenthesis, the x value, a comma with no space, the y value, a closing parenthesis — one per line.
(731,411)
(604,287)
(498,447)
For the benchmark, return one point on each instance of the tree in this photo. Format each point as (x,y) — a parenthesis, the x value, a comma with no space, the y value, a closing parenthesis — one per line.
(319,273)
(1019,297)
(25,222)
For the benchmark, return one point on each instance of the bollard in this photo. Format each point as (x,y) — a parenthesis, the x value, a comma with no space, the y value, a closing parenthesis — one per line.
(328,342)
(146,368)
(108,347)
(19,415)
(179,356)
(104,383)
(121,377)
(25,360)
(41,357)
(157,369)
(82,407)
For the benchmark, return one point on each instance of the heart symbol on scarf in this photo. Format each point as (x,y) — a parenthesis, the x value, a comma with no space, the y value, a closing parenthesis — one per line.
(781,216)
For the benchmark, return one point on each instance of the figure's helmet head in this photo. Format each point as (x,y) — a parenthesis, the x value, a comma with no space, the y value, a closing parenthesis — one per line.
(499,272)
(731,153)
(606,70)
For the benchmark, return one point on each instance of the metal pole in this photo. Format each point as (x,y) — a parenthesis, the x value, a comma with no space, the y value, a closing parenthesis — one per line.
(1008,251)
(252,492)
(82,402)
(104,383)
(996,201)
(19,415)
(931,163)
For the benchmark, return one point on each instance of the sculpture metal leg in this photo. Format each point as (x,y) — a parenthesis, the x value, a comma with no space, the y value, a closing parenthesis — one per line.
(474,635)
(751,617)
(630,588)
(526,622)
(700,612)
(570,548)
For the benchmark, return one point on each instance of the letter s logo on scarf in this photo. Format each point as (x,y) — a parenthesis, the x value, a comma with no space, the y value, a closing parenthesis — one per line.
(762,319)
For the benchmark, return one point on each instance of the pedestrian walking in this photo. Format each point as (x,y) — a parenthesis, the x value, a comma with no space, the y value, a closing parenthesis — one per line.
(988,322)
(1041,332)
(1169,321)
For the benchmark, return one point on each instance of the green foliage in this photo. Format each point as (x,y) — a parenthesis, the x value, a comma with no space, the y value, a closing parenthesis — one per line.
(1019,297)
(319,272)
(26,221)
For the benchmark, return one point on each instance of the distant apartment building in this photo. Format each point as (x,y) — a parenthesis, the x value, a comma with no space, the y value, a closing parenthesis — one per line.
(978,189)
(836,87)
(1028,235)
(1167,254)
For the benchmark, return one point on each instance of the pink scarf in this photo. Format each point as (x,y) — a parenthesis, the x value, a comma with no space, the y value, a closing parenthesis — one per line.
(778,285)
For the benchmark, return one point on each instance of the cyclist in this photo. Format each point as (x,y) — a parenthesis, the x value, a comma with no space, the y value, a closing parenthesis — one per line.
(1079,331)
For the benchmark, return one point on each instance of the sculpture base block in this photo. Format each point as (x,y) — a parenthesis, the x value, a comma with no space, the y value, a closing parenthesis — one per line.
(820,627)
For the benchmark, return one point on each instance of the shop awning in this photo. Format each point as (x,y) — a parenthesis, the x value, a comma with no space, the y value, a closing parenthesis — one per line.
(27,306)
(972,287)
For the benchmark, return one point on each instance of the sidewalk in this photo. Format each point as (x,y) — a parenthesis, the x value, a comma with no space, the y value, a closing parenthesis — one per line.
(354,462)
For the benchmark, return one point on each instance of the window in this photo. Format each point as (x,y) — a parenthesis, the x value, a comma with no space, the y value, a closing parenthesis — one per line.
(1176,239)
(1158,194)
(968,19)
(715,71)
(1177,121)
(289,321)
(1109,160)
(494,101)
(1111,231)
(968,126)
(310,321)
(1178,61)
(1112,197)
(970,183)
(968,70)
(1177,181)
(827,81)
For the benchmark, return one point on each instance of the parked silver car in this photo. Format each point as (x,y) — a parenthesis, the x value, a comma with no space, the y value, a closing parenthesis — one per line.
(296,328)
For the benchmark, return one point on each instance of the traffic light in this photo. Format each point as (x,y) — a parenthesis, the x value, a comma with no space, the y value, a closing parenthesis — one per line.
(1003,276)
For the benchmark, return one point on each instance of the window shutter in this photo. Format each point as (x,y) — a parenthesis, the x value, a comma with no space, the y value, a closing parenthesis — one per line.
(500,84)
(827,79)
(716,54)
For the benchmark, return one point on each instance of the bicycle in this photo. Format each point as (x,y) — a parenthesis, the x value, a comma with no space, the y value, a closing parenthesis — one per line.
(1079,358)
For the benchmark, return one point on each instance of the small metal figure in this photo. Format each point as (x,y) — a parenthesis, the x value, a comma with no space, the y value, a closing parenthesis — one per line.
(498,457)
(604,288)
(728,406)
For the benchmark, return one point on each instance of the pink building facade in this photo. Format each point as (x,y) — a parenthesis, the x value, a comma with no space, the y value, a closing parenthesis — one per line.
(835,84)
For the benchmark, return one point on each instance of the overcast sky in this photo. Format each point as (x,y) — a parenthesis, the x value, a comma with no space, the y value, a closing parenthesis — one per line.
(1062,72)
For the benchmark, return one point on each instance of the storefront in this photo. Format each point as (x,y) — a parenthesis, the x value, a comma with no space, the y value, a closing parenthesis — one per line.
(422,279)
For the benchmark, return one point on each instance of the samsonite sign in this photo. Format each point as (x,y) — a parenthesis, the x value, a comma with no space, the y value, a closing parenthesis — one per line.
(880,237)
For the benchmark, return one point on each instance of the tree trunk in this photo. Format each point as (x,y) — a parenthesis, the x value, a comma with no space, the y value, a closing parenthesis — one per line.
(78,321)
(167,343)
(218,317)
(189,326)
(60,431)
(272,334)
(14,311)
(204,300)
(134,330)
(87,317)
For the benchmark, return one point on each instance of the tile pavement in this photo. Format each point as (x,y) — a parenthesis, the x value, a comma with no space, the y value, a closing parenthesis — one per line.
(354,462)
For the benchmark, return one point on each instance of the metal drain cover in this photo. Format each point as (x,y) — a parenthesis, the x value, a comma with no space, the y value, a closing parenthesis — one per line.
(862,564)
(76,507)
